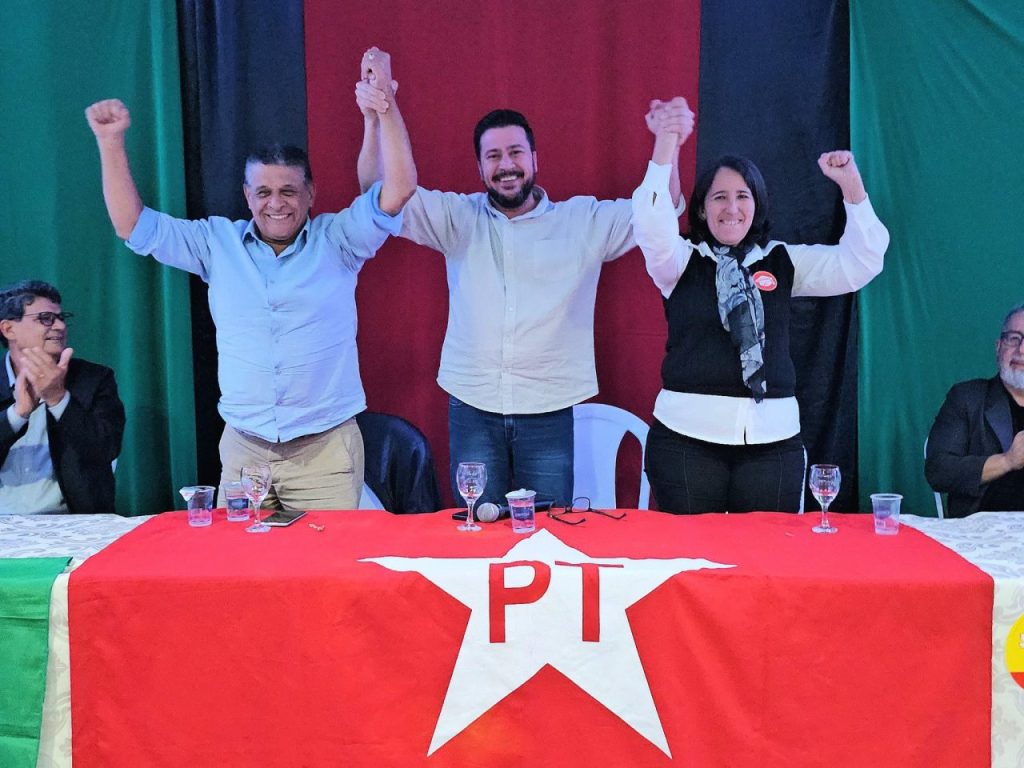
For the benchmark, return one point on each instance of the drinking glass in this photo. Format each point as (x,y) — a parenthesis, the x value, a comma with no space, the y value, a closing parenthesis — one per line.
(256,484)
(824,483)
(471,478)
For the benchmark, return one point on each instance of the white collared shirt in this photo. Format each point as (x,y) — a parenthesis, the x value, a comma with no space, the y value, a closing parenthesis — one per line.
(521,294)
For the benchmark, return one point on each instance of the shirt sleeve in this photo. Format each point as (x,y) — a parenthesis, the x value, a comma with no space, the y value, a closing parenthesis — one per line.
(434,218)
(831,270)
(949,465)
(656,228)
(16,421)
(58,410)
(180,243)
(361,229)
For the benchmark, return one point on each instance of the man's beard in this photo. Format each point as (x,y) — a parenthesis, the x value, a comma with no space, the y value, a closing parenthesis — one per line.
(1011,377)
(510,202)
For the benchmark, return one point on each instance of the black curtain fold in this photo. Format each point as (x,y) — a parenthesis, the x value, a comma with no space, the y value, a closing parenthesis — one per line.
(774,86)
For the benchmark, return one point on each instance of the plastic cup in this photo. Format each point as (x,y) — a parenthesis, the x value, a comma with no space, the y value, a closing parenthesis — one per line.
(885,507)
(236,502)
(521,510)
(200,506)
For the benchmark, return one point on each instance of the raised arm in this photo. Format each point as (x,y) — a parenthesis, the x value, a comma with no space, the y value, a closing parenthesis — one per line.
(395,166)
(656,201)
(109,120)
(858,257)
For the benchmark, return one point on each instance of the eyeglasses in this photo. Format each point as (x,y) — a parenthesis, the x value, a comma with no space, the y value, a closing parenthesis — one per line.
(1011,338)
(574,514)
(49,318)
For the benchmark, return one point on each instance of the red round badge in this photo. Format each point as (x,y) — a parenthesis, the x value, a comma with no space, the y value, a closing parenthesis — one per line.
(765,281)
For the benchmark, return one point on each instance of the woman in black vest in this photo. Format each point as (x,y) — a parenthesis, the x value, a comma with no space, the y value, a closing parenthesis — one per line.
(726,434)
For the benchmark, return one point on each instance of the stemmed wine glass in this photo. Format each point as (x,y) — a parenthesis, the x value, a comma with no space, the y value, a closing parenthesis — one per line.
(256,484)
(471,478)
(824,483)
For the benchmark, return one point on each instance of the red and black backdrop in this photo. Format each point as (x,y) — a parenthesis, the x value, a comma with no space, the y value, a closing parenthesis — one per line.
(769,80)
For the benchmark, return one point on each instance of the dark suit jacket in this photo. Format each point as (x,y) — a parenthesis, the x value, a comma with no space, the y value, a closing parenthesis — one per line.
(973,424)
(85,440)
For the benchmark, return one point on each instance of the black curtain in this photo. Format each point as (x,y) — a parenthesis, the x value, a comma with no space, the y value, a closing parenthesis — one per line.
(774,86)
(243,84)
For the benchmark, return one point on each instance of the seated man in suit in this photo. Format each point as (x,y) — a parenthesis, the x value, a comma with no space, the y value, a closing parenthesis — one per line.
(62,419)
(976,446)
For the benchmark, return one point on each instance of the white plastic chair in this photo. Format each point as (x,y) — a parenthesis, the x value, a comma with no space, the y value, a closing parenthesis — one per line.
(599,430)
(368,499)
(938,496)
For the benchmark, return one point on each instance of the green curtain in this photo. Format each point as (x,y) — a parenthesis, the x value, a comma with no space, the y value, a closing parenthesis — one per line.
(130,313)
(936,115)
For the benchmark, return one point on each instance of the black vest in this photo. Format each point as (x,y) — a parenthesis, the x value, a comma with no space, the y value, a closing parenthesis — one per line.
(699,355)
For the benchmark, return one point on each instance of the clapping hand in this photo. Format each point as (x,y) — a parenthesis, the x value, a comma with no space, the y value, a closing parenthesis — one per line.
(43,377)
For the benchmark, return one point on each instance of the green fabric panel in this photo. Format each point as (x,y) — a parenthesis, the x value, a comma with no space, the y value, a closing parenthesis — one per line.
(25,585)
(130,313)
(936,115)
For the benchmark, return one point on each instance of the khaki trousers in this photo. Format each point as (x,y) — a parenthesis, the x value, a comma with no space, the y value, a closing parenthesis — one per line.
(322,471)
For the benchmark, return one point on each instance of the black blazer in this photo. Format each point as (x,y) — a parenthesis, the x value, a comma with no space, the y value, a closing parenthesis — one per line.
(973,424)
(86,439)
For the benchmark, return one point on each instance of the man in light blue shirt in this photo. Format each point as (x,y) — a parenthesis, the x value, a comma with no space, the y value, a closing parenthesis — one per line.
(282,296)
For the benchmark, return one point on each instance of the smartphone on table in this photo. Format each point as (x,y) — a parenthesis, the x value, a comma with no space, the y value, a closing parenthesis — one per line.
(282,519)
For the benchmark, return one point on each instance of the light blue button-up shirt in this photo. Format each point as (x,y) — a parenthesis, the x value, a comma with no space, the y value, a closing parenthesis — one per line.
(286,325)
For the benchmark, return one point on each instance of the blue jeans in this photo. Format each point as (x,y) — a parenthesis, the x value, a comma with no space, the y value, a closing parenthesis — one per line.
(532,450)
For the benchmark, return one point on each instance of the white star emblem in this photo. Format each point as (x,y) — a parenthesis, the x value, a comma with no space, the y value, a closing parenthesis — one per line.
(547,603)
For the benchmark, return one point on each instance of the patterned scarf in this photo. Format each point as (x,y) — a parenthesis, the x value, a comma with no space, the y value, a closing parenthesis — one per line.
(742,315)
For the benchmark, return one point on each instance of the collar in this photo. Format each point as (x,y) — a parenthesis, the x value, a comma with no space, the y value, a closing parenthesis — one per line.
(754,255)
(544,204)
(11,378)
(250,233)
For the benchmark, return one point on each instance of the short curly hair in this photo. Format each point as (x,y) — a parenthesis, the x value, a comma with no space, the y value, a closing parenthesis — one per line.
(14,298)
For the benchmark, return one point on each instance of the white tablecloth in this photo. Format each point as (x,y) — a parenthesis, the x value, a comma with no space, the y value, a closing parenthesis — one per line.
(994,541)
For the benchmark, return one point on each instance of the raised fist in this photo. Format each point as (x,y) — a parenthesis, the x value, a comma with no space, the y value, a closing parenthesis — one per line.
(108,118)
(838,165)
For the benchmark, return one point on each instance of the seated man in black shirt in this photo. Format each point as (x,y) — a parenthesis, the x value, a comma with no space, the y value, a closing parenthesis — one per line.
(976,446)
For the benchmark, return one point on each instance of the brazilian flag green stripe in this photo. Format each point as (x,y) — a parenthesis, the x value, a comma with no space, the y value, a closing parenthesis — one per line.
(25,585)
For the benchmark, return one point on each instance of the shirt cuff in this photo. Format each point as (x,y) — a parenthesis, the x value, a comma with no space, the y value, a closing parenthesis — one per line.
(145,229)
(58,409)
(389,222)
(15,420)
(860,210)
(657,177)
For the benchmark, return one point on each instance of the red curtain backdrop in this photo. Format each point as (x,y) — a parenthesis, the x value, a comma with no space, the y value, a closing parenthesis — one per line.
(583,74)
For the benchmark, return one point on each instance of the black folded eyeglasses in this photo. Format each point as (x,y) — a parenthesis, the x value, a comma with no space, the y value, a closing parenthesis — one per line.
(575,513)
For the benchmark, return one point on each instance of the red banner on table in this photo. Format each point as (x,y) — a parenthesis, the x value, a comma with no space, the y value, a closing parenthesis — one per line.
(715,640)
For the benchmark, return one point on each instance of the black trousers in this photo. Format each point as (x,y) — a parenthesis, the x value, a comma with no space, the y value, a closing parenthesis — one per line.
(690,476)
